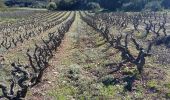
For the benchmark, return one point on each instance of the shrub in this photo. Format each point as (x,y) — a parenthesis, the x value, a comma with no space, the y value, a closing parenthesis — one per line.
(108,80)
(136,5)
(166,4)
(152,85)
(128,6)
(153,6)
(73,72)
(168,96)
(51,6)
(93,6)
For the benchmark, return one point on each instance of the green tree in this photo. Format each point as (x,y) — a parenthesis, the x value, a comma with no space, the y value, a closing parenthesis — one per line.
(134,5)
(166,4)
(153,6)
(93,6)
(51,6)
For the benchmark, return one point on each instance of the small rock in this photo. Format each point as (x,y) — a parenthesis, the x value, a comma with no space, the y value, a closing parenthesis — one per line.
(43,94)
(64,82)
(55,72)
(49,82)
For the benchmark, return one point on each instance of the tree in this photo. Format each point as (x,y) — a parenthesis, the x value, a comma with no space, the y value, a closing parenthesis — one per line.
(93,6)
(51,6)
(110,4)
(153,6)
(166,4)
(69,4)
(134,5)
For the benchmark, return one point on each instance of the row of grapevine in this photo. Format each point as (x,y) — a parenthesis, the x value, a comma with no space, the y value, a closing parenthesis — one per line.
(124,32)
(27,75)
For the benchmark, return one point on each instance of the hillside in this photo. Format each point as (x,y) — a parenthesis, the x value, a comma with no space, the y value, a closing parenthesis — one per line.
(111,5)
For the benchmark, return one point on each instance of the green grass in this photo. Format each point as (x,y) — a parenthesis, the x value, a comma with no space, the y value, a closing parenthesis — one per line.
(110,91)
(62,93)
(167,86)
(20,8)
(8,20)
(168,96)
(152,84)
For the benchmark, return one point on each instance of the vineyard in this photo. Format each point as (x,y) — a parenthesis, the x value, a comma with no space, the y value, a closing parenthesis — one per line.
(80,55)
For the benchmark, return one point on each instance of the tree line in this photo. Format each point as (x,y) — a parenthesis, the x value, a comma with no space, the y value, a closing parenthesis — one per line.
(113,5)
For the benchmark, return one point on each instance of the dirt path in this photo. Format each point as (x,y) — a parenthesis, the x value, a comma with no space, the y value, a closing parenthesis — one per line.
(51,74)
(70,74)
(65,49)
(77,57)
